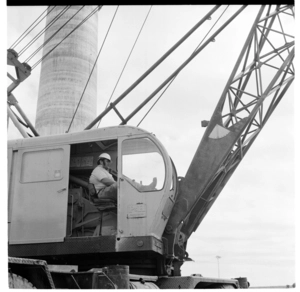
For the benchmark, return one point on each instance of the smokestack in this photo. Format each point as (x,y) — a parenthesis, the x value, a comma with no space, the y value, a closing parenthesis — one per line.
(65,71)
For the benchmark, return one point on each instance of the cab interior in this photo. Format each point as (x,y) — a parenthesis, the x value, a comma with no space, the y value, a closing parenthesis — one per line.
(87,215)
(143,168)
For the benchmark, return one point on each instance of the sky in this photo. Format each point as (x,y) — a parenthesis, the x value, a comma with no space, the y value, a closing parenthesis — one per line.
(251,226)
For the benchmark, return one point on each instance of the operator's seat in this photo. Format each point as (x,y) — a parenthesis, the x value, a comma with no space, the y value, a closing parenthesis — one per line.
(104,206)
(107,208)
(100,203)
(104,222)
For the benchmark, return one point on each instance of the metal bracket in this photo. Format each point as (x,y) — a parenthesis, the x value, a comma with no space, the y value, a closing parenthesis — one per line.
(12,101)
(23,70)
(118,113)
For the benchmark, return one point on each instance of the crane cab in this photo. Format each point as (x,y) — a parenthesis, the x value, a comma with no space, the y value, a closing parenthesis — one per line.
(50,214)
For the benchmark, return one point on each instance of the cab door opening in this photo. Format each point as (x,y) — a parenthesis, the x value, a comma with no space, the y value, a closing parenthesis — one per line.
(87,214)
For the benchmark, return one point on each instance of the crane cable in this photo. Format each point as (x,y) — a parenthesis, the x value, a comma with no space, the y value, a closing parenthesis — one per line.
(51,37)
(43,30)
(127,59)
(40,33)
(84,20)
(171,81)
(92,69)
(24,34)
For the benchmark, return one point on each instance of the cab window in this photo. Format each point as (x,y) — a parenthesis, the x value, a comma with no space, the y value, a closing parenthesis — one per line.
(143,165)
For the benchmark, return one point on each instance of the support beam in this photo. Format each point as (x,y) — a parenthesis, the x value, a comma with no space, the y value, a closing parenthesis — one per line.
(16,122)
(158,62)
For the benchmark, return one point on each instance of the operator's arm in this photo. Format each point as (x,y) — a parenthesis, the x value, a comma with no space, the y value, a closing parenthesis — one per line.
(107,181)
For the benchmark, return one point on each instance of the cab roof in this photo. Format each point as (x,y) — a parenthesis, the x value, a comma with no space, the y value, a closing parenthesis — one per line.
(106,133)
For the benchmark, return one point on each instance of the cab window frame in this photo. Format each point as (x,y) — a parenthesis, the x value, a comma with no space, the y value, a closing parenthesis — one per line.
(158,151)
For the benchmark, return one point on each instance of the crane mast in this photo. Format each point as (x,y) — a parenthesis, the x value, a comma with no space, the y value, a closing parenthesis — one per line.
(245,106)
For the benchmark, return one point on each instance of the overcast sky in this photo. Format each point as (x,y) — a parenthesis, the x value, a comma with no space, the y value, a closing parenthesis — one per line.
(251,225)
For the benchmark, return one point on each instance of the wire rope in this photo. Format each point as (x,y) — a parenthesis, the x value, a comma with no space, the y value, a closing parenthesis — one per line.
(92,69)
(212,28)
(43,30)
(171,81)
(157,100)
(127,59)
(24,34)
(84,20)
(50,38)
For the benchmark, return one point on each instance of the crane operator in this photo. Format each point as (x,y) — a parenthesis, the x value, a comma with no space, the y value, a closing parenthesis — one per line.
(103,181)
(105,185)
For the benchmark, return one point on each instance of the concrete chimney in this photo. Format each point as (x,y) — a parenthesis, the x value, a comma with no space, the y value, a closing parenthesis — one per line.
(65,71)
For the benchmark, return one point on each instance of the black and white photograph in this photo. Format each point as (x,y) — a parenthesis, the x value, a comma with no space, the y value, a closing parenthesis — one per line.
(150,146)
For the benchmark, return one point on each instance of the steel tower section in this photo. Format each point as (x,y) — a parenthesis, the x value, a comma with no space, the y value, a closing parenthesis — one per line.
(66,70)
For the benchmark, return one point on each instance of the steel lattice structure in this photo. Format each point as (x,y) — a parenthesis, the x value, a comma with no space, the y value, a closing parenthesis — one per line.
(252,94)
(261,76)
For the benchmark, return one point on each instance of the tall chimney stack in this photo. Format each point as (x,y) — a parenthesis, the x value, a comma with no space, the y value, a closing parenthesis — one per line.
(65,72)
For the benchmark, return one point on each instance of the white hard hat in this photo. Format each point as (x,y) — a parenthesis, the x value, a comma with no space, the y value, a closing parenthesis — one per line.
(105,155)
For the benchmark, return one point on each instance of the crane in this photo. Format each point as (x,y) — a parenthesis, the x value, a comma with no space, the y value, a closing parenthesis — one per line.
(149,234)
